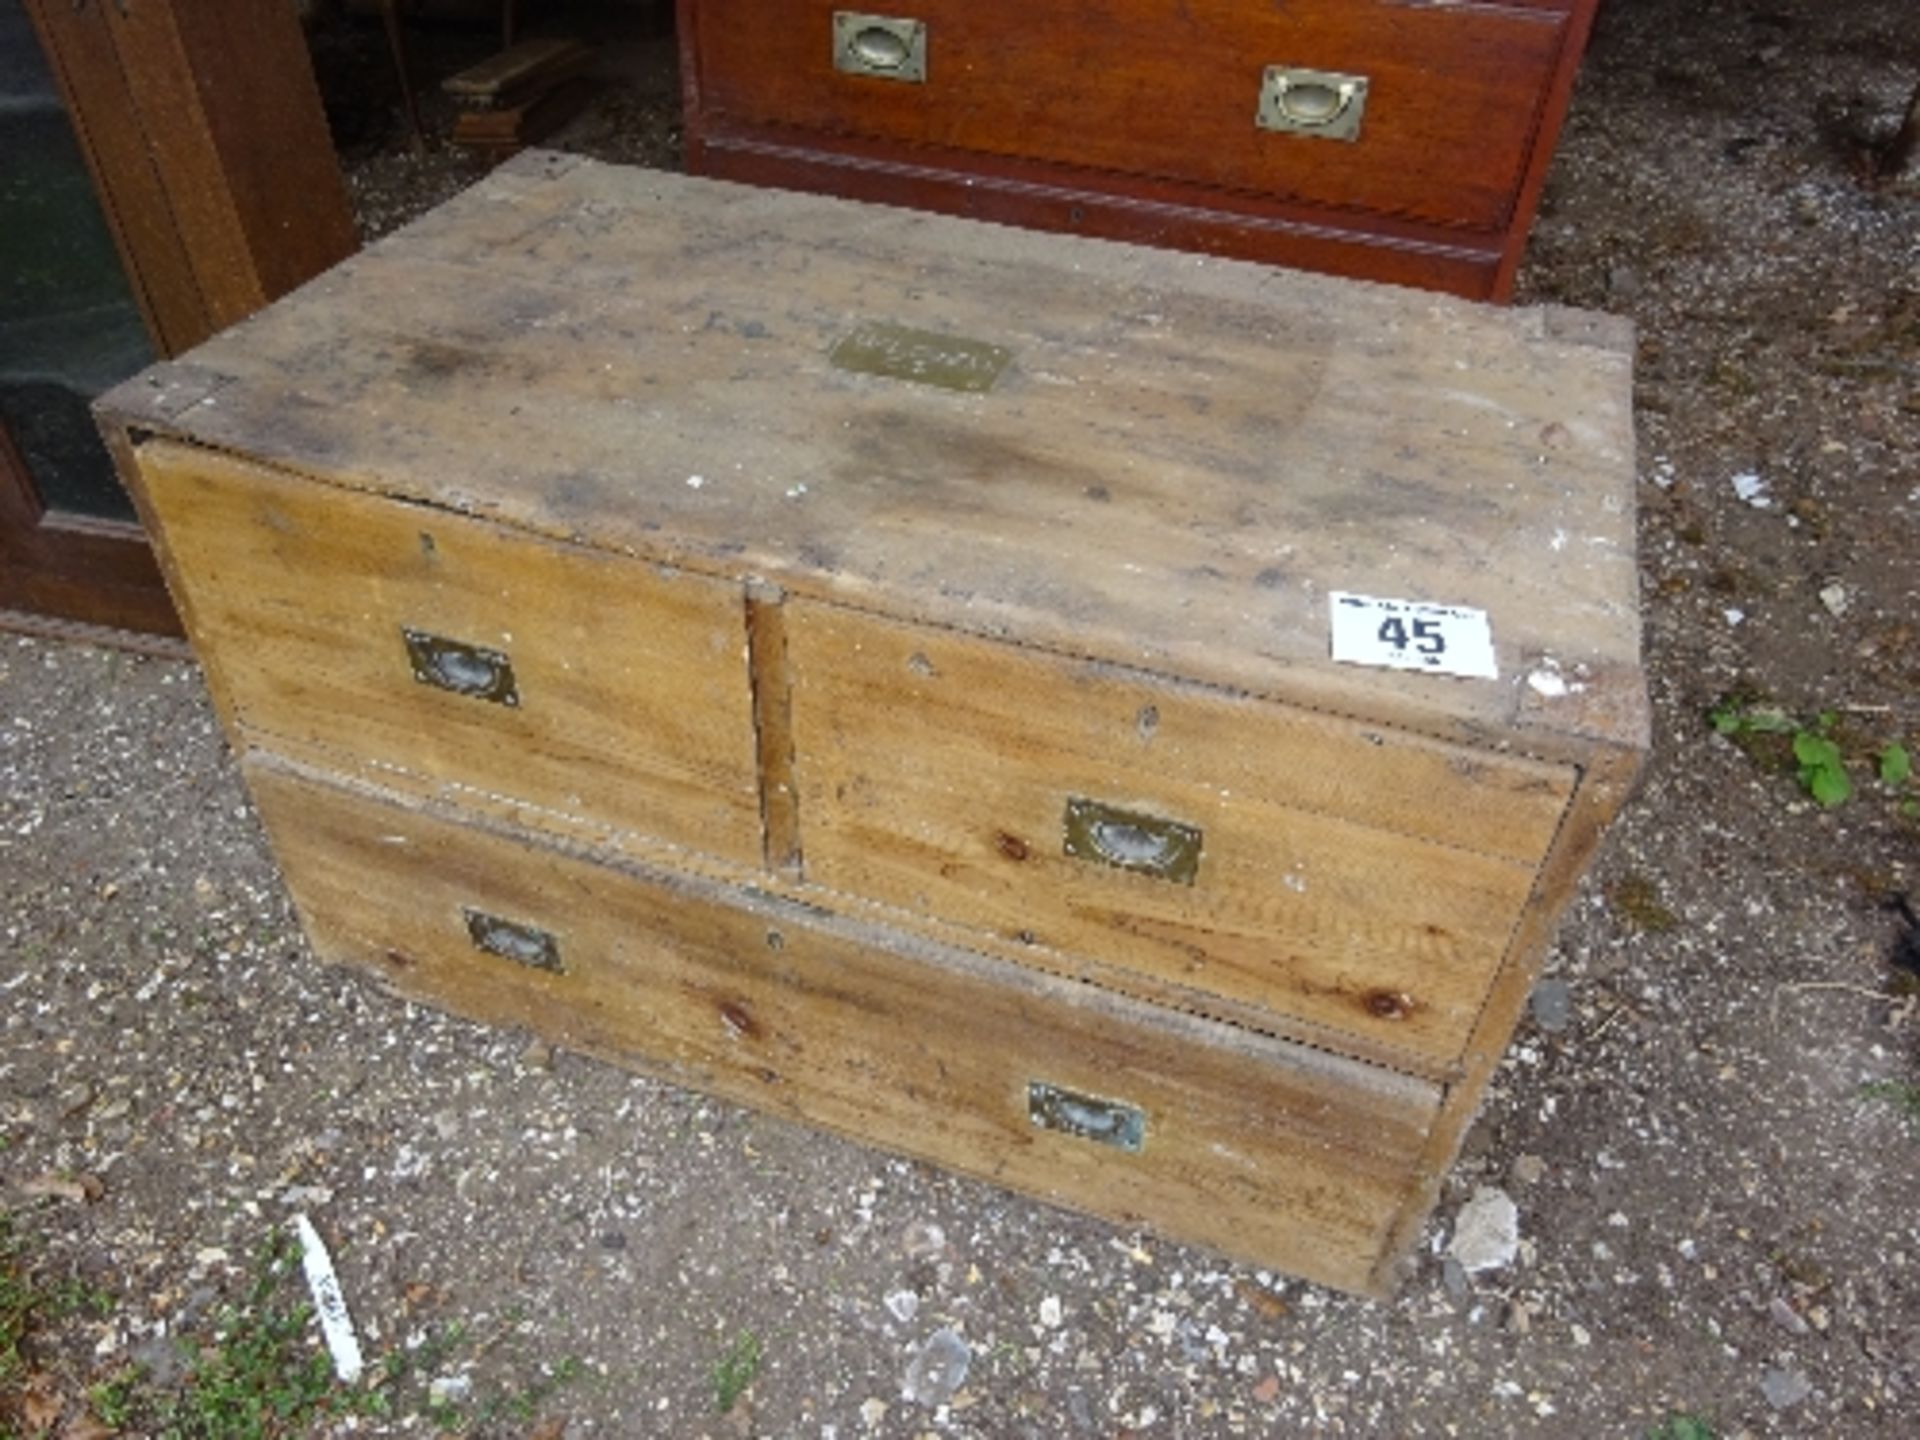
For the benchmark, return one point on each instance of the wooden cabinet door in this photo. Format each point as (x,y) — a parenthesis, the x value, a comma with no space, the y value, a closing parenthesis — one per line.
(165,170)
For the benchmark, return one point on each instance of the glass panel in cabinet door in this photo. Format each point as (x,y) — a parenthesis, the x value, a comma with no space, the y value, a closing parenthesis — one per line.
(69,327)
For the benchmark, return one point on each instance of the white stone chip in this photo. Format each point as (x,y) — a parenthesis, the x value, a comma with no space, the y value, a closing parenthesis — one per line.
(1486,1232)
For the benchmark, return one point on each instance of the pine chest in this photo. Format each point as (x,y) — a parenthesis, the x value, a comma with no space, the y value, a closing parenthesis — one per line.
(1398,140)
(881,668)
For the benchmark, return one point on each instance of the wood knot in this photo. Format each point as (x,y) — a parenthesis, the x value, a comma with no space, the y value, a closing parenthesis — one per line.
(739,1021)
(1388,1004)
(1012,846)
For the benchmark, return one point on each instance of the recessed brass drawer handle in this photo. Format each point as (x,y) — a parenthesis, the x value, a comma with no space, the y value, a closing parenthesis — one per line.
(881,46)
(1108,1122)
(464,669)
(527,945)
(1129,840)
(1312,102)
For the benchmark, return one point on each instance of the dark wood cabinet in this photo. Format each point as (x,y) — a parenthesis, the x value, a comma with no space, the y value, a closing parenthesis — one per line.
(1385,139)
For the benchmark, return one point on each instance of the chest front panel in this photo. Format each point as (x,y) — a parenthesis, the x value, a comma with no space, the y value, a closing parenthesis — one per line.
(1261,1148)
(402,638)
(1345,134)
(1202,845)
(1174,91)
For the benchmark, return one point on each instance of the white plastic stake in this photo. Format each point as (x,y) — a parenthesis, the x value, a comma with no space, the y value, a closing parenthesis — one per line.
(336,1325)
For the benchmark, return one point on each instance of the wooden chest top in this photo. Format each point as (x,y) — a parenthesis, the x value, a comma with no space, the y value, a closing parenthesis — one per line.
(1181,458)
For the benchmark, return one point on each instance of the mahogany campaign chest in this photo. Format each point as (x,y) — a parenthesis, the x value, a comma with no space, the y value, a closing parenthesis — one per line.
(1114,722)
(1396,140)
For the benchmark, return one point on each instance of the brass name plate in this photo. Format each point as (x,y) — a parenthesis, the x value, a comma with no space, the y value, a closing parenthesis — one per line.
(899,352)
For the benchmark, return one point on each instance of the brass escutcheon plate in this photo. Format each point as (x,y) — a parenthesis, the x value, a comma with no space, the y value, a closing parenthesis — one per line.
(1130,840)
(899,352)
(527,945)
(464,669)
(1107,1122)
(885,47)
(1325,104)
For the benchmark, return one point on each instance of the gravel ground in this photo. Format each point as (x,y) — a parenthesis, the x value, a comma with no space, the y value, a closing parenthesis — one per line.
(1709,1128)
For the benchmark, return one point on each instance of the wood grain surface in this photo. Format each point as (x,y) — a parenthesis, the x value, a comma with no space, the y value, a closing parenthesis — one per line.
(1360,879)
(1170,88)
(1173,214)
(208,152)
(816,671)
(1084,119)
(204,132)
(1184,457)
(1605,785)
(1261,1149)
(633,708)
(80,568)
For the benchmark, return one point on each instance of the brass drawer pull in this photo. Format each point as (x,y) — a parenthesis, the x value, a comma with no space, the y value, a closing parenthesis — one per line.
(1312,102)
(527,945)
(1128,840)
(464,669)
(1107,1122)
(880,46)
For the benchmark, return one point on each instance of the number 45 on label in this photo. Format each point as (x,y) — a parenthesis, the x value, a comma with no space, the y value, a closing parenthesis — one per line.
(1412,635)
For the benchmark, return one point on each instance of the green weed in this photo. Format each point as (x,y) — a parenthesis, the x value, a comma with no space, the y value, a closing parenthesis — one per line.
(1681,1426)
(1902,1095)
(113,1400)
(1638,900)
(524,1404)
(260,1376)
(1896,765)
(18,1301)
(26,1301)
(426,1357)
(1822,770)
(259,1372)
(1818,753)
(735,1370)
(30,1304)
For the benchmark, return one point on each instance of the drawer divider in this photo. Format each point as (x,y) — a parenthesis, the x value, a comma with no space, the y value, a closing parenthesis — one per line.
(772,681)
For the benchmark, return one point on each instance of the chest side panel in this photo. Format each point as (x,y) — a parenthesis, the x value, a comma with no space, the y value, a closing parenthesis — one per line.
(405,637)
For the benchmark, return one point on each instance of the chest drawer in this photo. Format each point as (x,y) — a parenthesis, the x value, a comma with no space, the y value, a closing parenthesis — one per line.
(1255,1146)
(399,636)
(1424,111)
(1357,878)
